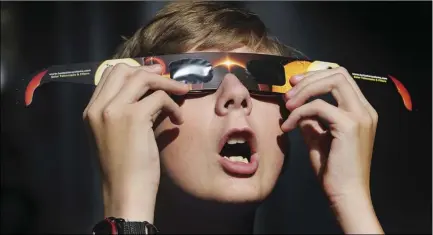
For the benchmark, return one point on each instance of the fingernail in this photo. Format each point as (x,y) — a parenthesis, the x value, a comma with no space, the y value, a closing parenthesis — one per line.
(297,78)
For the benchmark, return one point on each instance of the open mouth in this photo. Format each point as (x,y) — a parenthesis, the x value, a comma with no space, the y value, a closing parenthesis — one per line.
(236,149)
(238,145)
(238,155)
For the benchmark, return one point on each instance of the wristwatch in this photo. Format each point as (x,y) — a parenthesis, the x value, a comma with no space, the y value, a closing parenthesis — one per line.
(111,225)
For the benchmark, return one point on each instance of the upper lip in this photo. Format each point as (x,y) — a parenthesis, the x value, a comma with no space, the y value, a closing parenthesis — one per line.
(246,132)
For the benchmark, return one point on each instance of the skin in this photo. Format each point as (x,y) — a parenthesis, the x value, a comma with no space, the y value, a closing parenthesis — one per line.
(135,137)
(193,163)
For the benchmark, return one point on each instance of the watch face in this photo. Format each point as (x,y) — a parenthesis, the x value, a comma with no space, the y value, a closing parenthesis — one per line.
(105,227)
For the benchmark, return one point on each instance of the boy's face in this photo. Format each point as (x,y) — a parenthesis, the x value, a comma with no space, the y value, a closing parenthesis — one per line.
(190,153)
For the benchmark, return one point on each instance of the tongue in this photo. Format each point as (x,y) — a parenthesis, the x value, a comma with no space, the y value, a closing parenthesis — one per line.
(240,168)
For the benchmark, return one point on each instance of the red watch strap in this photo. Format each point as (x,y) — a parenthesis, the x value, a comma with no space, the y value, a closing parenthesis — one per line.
(113,225)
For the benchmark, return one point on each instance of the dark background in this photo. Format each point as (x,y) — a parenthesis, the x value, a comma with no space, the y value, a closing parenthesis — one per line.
(50,180)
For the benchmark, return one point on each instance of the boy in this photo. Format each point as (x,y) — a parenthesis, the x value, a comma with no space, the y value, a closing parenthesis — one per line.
(156,152)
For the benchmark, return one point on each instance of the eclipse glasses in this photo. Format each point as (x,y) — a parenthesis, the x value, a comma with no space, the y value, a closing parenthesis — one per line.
(203,72)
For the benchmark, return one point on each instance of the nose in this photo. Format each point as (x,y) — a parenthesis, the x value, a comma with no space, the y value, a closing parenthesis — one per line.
(232,95)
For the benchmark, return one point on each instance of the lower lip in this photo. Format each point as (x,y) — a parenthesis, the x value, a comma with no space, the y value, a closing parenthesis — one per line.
(241,168)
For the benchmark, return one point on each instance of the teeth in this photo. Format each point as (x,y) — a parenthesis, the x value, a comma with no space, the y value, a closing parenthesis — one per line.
(237,159)
(236,141)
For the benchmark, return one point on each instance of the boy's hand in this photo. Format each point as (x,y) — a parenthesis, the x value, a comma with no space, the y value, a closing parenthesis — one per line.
(340,155)
(121,123)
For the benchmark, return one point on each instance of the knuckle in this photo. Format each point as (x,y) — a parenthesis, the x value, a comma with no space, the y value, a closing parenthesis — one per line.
(92,115)
(161,94)
(120,66)
(107,70)
(317,102)
(110,113)
(342,74)
(342,70)
(340,78)
(139,72)
(142,76)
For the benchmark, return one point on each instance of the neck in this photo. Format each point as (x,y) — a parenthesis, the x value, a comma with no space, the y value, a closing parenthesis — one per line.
(178,212)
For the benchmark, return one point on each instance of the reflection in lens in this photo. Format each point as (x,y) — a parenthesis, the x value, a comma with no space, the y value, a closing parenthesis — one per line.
(192,71)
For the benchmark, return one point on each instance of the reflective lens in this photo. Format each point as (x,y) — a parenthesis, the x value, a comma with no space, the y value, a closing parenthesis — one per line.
(191,71)
(267,72)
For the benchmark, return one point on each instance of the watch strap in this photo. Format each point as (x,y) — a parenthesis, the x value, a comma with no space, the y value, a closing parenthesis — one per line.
(119,226)
(136,228)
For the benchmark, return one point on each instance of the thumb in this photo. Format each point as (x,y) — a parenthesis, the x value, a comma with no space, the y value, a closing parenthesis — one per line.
(315,137)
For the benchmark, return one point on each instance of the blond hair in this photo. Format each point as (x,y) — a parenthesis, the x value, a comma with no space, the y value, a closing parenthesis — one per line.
(182,26)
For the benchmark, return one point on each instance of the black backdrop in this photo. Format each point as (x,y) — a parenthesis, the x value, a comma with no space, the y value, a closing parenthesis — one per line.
(50,181)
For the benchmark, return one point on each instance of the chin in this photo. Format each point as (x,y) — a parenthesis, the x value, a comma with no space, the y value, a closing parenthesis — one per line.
(231,196)
(207,180)
(239,197)
(230,190)
(241,190)
(222,189)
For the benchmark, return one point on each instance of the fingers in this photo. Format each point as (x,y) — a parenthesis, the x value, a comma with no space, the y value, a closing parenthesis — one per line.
(318,141)
(335,117)
(97,90)
(321,83)
(142,81)
(123,85)
(160,101)
(313,125)
(118,76)
(301,81)
(297,78)
(345,73)
(111,82)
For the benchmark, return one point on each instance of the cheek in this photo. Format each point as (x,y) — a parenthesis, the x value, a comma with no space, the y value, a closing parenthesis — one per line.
(272,140)
(267,121)
(180,145)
